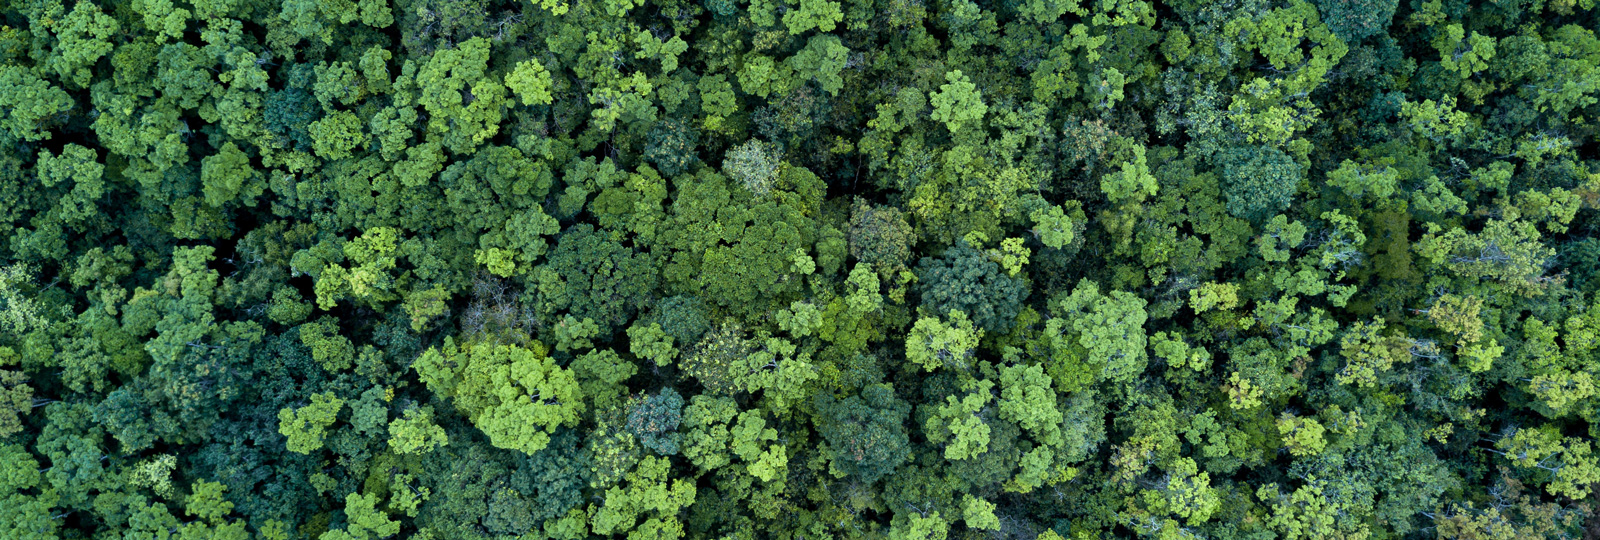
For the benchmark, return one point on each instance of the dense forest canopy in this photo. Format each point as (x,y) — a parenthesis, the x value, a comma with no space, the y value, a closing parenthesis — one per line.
(799,269)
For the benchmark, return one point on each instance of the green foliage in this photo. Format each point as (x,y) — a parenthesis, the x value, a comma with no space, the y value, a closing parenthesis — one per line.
(1053,227)
(32,103)
(823,57)
(595,278)
(365,520)
(649,493)
(798,269)
(713,361)
(957,426)
(819,14)
(651,342)
(335,135)
(958,102)
(774,368)
(654,420)
(16,396)
(1104,331)
(964,279)
(1027,401)
(1358,181)
(600,374)
(443,84)
(707,439)
(865,433)
(671,147)
(531,81)
(914,525)
(880,236)
(415,433)
(934,343)
(306,426)
(979,514)
(518,396)
(747,437)
(1258,182)
(1353,21)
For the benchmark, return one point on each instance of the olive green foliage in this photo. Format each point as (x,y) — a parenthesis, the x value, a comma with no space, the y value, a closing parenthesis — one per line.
(880,236)
(1258,182)
(799,269)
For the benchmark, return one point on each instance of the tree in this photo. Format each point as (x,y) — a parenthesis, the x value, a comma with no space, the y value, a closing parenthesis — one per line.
(1108,330)
(775,368)
(79,166)
(1258,182)
(865,433)
(933,343)
(671,147)
(1567,466)
(958,102)
(1463,54)
(1053,227)
(601,374)
(415,432)
(531,81)
(16,396)
(228,175)
(594,277)
(863,298)
(822,58)
(754,165)
(306,426)
(747,436)
(707,420)
(21,312)
(518,396)
(716,356)
(880,236)
(1354,21)
(1027,400)
(1301,436)
(1507,252)
(1368,353)
(444,81)
(957,425)
(654,420)
(32,102)
(83,37)
(1279,237)
(979,513)
(649,493)
(819,14)
(918,526)
(1359,181)
(365,521)
(964,279)
(652,343)
(336,135)
(1187,494)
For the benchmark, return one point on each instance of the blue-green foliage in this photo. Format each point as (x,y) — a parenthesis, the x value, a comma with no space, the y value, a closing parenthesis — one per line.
(966,279)
(654,420)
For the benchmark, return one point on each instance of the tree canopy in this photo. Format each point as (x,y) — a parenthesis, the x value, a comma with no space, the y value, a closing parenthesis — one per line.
(799,269)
